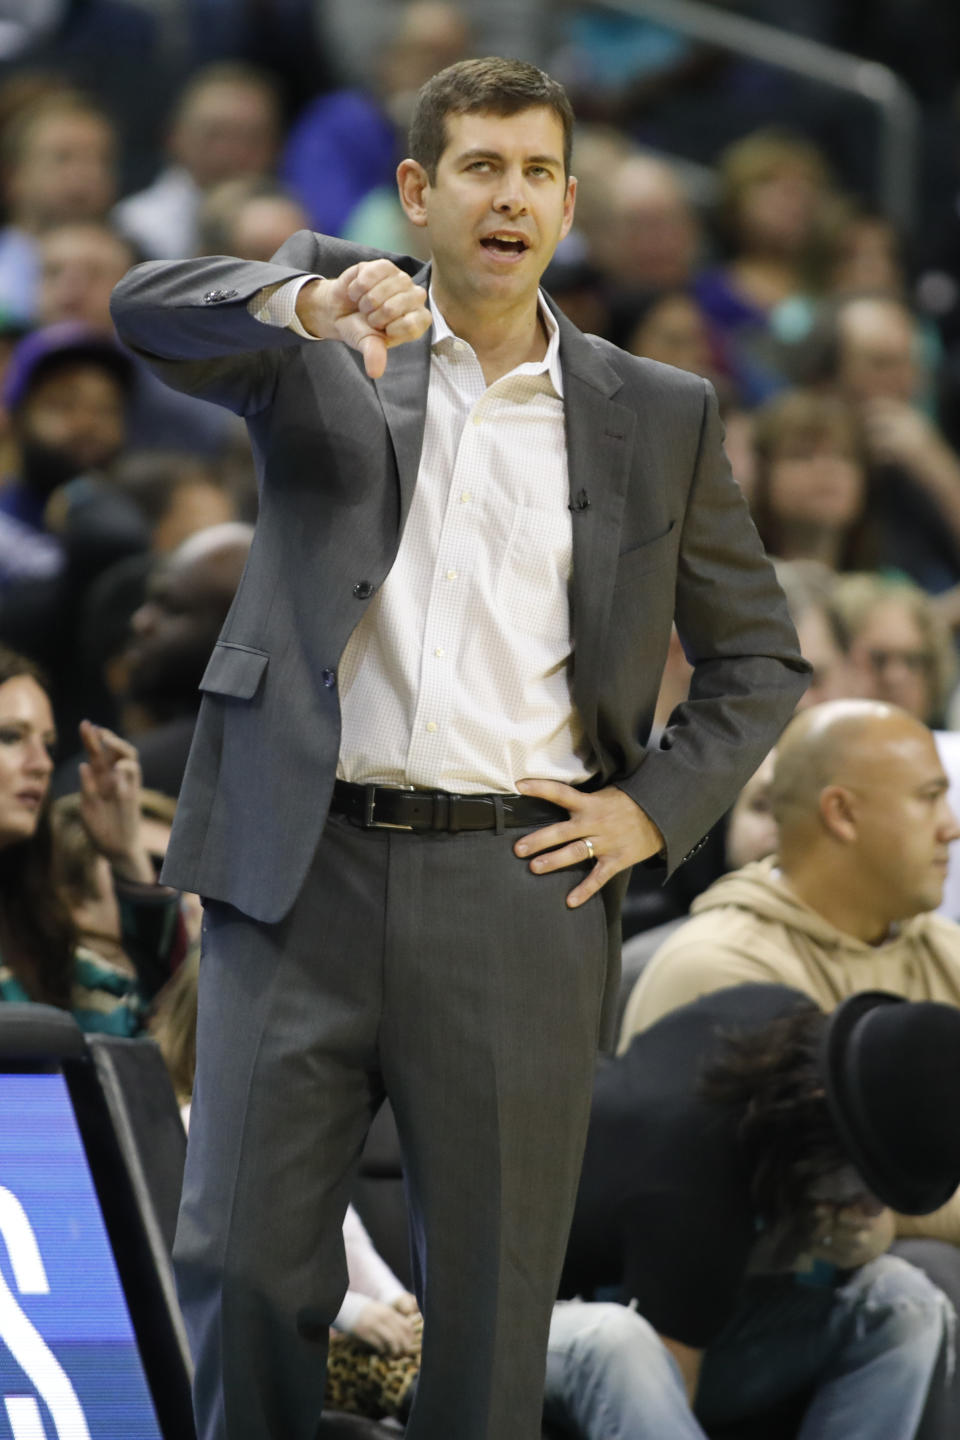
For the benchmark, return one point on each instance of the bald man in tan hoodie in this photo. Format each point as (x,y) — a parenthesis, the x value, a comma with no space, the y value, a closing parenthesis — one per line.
(859,796)
(860,800)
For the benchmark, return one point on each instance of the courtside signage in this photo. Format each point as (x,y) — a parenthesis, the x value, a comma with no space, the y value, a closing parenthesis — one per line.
(69,1365)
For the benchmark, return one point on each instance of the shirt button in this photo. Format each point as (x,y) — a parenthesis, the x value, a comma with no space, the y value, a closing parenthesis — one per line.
(459,346)
(439,651)
(329,678)
(363,589)
(465,498)
(431,726)
(451,574)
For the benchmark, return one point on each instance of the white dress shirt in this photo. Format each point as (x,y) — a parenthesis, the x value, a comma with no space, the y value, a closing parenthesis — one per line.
(458,676)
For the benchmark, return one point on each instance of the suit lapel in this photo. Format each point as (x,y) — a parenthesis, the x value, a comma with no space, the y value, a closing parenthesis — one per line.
(600,437)
(403,396)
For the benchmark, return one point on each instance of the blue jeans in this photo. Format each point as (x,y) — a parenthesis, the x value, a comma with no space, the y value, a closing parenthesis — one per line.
(865,1347)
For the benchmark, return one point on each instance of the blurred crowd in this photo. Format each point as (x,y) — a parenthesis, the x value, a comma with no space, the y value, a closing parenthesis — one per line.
(718,229)
(728,223)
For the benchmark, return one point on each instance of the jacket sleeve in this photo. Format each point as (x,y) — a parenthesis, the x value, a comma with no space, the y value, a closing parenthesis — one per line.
(188,319)
(748,673)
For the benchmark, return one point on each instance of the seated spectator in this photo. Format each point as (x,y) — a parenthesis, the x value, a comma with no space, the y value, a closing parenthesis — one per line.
(774,193)
(344,148)
(740,1161)
(808,587)
(865,255)
(751,828)
(80,263)
(865,347)
(664,325)
(172,636)
(83,876)
(644,233)
(859,797)
(176,493)
(898,646)
(226,124)
(810,499)
(41,956)
(144,633)
(66,390)
(250,218)
(59,157)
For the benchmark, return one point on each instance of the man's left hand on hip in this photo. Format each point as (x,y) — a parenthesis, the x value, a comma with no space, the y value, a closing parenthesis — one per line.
(605,826)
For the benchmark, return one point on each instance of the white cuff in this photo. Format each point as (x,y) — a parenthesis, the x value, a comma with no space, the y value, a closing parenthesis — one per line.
(350,1311)
(277,305)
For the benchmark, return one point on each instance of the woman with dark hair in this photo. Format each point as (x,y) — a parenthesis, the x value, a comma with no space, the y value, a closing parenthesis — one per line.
(40,956)
(809,497)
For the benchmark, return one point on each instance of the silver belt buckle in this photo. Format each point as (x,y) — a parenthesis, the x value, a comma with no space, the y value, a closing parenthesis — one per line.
(369,802)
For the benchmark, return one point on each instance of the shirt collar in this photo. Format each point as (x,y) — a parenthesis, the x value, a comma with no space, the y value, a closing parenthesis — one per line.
(551,360)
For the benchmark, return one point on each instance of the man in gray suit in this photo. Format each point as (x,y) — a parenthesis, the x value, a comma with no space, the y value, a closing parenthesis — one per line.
(471,546)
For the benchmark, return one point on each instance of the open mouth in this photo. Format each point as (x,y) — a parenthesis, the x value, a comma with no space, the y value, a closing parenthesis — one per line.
(504,244)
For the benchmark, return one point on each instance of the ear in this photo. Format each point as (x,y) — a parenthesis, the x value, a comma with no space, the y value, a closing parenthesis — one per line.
(412,185)
(569,202)
(838,811)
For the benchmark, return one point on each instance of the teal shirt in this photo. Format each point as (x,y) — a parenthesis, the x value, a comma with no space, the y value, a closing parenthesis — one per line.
(106,999)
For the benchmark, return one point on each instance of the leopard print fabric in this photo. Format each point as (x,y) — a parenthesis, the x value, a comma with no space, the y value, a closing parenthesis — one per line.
(361,1381)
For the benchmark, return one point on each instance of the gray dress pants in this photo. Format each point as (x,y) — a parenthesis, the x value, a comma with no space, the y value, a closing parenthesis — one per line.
(435,969)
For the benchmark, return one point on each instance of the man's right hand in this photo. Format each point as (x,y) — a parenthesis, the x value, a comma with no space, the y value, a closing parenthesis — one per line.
(383,1328)
(370,307)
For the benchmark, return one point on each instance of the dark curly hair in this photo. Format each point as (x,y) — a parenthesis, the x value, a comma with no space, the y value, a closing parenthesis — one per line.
(786,1133)
(37,935)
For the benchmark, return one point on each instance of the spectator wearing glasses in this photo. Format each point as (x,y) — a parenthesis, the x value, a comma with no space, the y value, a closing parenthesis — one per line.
(898,646)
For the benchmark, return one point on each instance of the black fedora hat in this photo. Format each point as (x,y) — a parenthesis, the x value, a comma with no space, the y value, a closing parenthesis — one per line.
(891,1070)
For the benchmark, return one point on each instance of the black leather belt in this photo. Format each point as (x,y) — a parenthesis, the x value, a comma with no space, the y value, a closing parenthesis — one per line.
(384,807)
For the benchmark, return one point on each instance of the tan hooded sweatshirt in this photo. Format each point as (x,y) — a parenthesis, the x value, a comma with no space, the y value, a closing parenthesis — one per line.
(750,927)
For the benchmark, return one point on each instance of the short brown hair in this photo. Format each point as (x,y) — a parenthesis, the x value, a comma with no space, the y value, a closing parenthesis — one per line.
(804,417)
(19,132)
(490,86)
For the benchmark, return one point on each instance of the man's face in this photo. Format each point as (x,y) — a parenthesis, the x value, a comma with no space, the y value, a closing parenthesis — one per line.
(890,659)
(904,824)
(877,352)
(66,172)
(176,627)
(818,645)
(651,238)
(229,129)
(752,830)
(499,206)
(78,413)
(79,266)
(264,224)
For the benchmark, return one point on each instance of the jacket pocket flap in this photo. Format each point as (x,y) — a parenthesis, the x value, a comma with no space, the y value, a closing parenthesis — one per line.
(648,555)
(234,670)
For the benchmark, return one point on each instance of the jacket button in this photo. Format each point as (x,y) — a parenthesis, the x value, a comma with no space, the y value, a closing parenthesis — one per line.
(363,589)
(329,678)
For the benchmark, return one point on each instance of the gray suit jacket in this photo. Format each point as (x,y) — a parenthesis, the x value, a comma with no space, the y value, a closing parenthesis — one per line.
(664,534)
